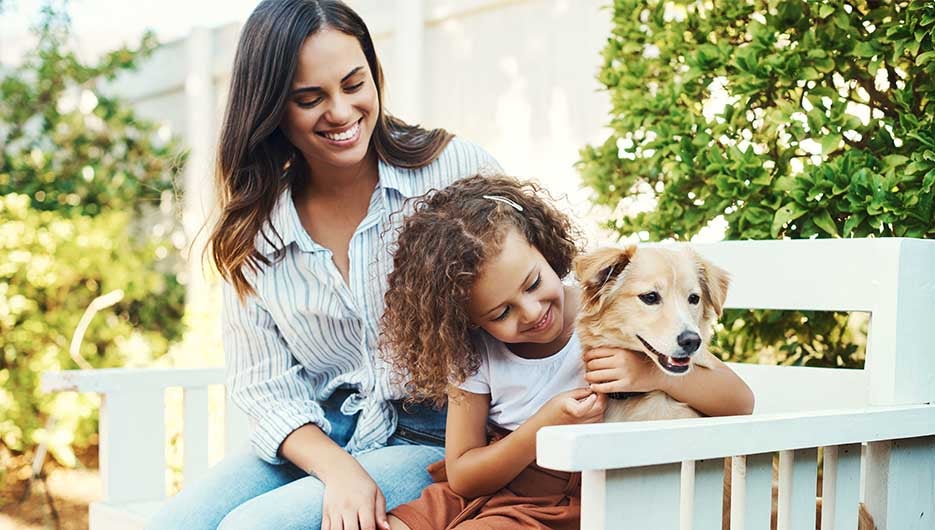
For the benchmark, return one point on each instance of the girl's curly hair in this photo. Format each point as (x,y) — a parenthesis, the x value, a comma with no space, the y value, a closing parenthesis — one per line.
(441,249)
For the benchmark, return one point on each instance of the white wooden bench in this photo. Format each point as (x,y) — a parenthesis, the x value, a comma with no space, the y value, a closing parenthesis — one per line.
(632,472)
(132,434)
(633,476)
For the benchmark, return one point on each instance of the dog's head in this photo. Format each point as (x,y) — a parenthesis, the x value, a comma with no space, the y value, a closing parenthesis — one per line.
(660,301)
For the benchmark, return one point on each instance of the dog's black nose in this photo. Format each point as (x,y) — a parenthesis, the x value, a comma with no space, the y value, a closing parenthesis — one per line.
(689,341)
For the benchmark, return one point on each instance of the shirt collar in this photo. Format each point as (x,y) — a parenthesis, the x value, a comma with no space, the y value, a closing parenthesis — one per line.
(397,178)
(283,222)
(284,218)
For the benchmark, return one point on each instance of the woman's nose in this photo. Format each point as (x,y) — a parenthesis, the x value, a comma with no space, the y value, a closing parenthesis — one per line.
(340,111)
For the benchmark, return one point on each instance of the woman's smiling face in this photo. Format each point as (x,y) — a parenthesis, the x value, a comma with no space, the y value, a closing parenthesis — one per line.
(333,107)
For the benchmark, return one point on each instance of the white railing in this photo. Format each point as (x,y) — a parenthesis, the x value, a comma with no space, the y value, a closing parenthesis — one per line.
(133,435)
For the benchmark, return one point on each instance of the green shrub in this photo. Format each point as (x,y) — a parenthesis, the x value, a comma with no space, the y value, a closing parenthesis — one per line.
(86,200)
(781,119)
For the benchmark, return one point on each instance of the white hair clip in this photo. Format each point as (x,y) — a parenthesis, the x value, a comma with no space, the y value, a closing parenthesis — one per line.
(504,200)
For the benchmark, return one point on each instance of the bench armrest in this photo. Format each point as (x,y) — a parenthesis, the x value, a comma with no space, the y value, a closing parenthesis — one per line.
(106,380)
(637,444)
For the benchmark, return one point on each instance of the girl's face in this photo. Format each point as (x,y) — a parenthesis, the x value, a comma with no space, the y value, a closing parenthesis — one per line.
(332,109)
(517,297)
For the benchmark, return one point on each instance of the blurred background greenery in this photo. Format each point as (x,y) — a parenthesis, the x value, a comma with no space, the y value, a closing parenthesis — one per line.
(88,205)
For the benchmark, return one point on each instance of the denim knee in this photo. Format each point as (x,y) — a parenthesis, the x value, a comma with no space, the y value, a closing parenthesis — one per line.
(295,506)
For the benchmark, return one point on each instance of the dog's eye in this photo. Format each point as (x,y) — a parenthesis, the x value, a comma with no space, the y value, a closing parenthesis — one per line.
(651,298)
(693,299)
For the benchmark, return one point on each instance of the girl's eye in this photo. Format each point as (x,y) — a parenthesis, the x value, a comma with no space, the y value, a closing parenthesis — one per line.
(535,284)
(308,104)
(506,311)
(693,299)
(354,88)
(651,298)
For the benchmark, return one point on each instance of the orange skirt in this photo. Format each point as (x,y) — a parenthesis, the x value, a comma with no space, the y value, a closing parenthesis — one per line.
(537,499)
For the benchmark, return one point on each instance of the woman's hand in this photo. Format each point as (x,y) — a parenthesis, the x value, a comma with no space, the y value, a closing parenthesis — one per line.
(619,370)
(353,501)
(580,405)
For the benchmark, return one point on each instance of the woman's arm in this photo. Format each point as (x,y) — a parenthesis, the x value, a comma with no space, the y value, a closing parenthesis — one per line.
(269,385)
(350,492)
(475,468)
(716,391)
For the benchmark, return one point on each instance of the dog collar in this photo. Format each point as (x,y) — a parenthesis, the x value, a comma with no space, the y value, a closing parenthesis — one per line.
(624,395)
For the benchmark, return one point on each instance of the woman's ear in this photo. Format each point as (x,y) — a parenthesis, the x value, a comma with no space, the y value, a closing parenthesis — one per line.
(600,267)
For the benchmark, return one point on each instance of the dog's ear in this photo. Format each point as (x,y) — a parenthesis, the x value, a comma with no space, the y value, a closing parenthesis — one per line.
(596,269)
(714,283)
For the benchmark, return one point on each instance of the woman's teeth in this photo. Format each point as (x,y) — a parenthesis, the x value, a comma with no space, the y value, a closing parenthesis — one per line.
(346,135)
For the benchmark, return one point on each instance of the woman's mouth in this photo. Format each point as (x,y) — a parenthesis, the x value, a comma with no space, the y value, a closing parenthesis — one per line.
(345,136)
(543,322)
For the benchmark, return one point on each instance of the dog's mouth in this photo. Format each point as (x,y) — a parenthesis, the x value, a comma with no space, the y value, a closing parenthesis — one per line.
(673,365)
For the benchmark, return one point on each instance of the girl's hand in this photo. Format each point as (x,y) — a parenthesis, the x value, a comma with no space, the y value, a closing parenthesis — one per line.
(618,370)
(580,405)
(352,501)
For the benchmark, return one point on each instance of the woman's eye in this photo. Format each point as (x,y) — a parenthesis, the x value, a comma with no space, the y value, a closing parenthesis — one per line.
(506,311)
(535,284)
(354,88)
(693,299)
(308,104)
(651,298)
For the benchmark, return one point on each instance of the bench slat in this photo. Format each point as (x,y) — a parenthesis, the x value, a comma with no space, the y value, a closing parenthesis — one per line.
(751,492)
(707,495)
(133,458)
(840,487)
(195,434)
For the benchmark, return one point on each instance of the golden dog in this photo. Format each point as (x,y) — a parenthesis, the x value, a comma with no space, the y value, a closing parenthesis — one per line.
(662,302)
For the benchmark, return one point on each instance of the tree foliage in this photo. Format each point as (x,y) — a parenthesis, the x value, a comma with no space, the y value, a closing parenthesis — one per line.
(783,119)
(86,195)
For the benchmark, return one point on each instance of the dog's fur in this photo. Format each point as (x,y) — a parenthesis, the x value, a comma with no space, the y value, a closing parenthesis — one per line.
(616,313)
(690,292)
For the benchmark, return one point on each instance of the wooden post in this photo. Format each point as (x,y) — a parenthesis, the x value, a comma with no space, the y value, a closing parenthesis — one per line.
(132,450)
(900,475)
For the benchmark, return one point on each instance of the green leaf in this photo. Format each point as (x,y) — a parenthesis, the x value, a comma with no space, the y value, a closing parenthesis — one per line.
(824,221)
(865,49)
(830,143)
(816,119)
(785,215)
(893,161)
(825,11)
(924,58)
(853,220)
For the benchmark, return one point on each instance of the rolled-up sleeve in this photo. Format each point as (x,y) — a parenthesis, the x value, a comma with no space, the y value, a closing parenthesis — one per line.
(263,377)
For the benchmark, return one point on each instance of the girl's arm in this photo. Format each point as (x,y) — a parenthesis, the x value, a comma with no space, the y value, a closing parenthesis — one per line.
(717,391)
(475,468)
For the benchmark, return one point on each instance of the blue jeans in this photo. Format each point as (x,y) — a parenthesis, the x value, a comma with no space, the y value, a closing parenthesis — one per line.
(243,492)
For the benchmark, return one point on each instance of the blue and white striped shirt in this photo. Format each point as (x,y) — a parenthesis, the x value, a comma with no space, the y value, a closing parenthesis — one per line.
(307,332)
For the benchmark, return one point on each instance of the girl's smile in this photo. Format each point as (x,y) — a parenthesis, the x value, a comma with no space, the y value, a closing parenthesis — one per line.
(518,299)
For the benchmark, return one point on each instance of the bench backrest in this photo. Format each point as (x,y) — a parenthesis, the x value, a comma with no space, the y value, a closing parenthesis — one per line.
(890,278)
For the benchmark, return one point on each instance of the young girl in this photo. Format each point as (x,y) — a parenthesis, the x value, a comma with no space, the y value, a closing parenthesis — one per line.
(476,311)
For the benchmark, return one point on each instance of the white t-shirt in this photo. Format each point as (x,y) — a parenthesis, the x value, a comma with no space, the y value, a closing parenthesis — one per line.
(518,387)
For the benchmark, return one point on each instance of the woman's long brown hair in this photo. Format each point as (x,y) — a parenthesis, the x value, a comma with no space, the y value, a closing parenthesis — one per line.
(255,161)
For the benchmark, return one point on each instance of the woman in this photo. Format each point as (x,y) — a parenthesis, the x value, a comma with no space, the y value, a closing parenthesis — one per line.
(310,169)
